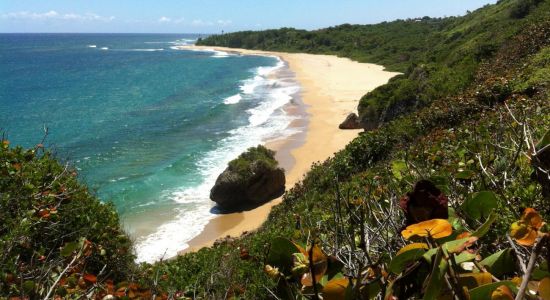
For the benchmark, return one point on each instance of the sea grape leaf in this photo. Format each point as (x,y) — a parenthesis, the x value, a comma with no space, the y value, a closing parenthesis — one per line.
(480,205)
(484,228)
(465,174)
(336,289)
(371,290)
(398,167)
(473,280)
(429,255)
(458,246)
(280,254)
(464,257)
(502,293)
(454,219)
(401,260)
(436,228)
(435,280)
(544,288)
(545,141)
(499,263)
(485,291)
(319,268)
(69,249)
(413,246)
(541,271)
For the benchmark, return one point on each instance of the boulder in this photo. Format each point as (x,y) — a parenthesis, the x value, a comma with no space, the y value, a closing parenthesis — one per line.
(351,122)
(249,181)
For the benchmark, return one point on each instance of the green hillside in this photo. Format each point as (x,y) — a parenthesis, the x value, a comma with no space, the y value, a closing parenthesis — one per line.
(439,57)
(459,151)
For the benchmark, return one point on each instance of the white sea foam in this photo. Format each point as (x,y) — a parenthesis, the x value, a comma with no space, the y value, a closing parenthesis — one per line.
(215,53)
(135,50)
(233,99)
(267,121)
(142,50)
(92,46)
(180,42)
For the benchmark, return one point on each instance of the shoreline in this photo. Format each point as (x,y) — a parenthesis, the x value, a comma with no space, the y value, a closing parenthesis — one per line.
(330,89)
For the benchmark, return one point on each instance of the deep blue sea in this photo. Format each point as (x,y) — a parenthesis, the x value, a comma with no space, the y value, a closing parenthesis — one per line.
(149,126)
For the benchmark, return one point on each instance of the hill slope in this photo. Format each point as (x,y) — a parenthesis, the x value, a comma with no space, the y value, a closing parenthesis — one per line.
(438,57)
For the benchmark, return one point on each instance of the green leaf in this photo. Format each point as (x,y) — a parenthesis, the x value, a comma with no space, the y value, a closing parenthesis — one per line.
(454,220)
(429,255)
(457,246)
(484,292)
(464,257)
(398,263)
(541,271)
(480,205)
(28,286)
(398,167)
(465,174)
(484,228)
(499,263)
(545,141)
(280,254)
(441,182)
(435,280)
(69,249)
(371,290)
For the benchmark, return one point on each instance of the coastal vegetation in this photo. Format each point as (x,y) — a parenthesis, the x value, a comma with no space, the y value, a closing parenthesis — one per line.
(55,237)
(438,56)
(447,198)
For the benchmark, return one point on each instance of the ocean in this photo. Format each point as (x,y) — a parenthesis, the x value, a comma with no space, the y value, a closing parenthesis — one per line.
(147,125)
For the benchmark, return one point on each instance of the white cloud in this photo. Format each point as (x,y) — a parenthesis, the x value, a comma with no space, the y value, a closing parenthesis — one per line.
(164,20)
(54,15)
(224,22)
(199,22)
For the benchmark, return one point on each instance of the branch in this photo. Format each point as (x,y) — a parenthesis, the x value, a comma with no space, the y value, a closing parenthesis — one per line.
(313,281)
(62,273)
(516,251)
(530,266)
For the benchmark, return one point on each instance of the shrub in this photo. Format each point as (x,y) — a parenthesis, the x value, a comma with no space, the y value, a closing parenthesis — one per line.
(260,155)
(50,221)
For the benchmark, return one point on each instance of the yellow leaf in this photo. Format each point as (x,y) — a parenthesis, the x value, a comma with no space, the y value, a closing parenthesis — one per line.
(413,246)
(544,288)
(523,234)
(319,268)
(532,218)
(463,235)
(335,289)
(525,230)
(473,280)
(502,293)
(436,228)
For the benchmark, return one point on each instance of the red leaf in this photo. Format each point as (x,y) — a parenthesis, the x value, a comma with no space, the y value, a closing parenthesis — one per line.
(90,278)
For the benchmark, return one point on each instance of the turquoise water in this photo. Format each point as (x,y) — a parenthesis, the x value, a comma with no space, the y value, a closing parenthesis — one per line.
(145,123)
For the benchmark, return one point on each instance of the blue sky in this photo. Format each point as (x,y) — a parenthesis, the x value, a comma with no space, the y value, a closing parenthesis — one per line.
(210,16)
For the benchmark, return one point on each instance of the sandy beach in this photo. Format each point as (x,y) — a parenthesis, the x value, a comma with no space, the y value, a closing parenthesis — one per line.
(331,89)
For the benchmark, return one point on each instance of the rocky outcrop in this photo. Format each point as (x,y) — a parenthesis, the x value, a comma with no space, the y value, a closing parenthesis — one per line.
(248,181)
(351,122)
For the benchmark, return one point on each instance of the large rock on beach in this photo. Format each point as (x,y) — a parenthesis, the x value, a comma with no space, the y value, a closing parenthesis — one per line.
(351,122)
(249,181)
